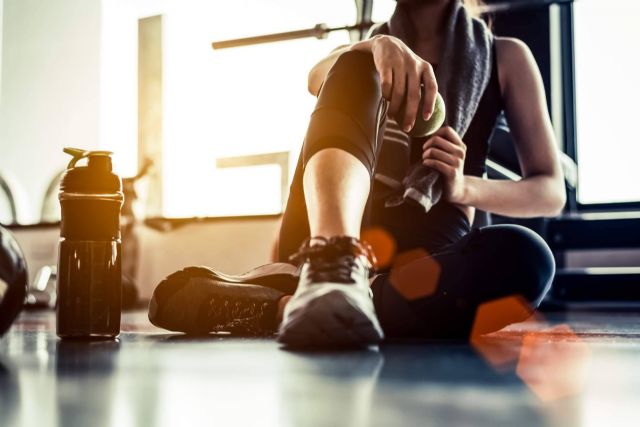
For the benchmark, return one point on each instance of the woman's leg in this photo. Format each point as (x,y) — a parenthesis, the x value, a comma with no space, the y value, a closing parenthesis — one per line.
(489,263)
(332,180)
(336,189)
(332,303)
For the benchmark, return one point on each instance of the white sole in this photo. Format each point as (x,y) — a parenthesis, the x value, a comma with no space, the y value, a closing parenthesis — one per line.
(330,320)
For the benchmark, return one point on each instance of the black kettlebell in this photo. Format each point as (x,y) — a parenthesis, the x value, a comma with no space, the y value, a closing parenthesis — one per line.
(13,279)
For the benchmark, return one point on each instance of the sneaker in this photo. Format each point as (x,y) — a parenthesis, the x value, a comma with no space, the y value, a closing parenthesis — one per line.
(199,300)
(333,304)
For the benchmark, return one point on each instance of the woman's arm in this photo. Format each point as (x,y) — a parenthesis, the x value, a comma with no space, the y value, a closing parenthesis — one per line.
(541,191)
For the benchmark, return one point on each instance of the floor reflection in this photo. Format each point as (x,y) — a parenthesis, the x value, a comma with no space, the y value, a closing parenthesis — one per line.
(84,382)
(162,379)
(450,384)
(9,394)
(329,388)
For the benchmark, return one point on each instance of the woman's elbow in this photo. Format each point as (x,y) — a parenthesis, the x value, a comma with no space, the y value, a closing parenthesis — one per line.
(557,205)
(556,198)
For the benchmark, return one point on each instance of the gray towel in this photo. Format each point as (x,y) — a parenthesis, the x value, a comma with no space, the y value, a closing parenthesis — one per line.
(463,73)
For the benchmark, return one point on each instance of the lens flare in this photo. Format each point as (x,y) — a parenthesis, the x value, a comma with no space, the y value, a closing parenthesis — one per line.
(553,362)
(382,244)
(493,316)
(415,274)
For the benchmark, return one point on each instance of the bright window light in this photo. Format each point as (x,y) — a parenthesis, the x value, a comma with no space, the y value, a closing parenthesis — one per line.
(237,102)
(607,96)
(382,10)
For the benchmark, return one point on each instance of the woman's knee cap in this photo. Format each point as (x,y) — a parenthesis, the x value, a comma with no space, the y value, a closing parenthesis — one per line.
(347,114)
(352,76)
(354,61)
(529,257)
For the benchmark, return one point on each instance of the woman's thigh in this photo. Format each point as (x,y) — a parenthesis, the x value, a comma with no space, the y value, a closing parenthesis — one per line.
(486,264)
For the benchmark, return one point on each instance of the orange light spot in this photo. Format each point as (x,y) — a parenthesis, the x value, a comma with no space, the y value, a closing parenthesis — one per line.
(415,274)
(553,362)
(382,244)
(493,316)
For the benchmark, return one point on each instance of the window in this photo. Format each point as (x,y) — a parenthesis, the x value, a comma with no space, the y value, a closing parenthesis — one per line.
(223,105)
(607,94)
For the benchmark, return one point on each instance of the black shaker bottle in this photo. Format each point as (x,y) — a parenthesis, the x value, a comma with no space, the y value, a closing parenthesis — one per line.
(89,264)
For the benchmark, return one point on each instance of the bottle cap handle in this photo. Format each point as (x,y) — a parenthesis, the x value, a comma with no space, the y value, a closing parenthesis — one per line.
(79,154)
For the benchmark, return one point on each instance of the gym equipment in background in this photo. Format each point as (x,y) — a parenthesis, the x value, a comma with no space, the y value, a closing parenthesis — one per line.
(320,31)
(129,216)
(8,209)
(13,279)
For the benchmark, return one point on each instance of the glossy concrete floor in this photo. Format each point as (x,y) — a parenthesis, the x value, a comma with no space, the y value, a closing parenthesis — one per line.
(574,370)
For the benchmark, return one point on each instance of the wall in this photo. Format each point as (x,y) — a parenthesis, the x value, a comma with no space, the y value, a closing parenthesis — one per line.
(1,27)
(50,90)
(232,246)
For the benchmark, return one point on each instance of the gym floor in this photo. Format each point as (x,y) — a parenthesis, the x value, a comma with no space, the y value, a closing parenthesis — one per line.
(566,370)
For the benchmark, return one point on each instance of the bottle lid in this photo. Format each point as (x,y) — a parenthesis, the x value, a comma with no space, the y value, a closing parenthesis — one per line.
(79,154)
(95,177)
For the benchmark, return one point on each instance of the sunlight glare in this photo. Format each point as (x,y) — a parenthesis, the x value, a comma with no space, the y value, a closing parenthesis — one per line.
(607,97)
(235,102)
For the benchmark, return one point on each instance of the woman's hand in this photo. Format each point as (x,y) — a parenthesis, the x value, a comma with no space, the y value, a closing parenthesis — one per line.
(445,152)
(401,74)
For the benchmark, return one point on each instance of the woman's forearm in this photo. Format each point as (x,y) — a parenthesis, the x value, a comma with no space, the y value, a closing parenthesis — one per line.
(533,196)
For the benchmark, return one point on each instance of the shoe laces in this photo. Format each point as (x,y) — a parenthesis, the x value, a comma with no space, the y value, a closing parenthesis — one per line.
(333,259)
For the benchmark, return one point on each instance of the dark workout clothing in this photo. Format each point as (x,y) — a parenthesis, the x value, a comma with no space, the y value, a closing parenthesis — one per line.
(475,266)
(351,115)
(486,264)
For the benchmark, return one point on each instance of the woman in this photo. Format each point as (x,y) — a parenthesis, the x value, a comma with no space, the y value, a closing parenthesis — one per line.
(368,94)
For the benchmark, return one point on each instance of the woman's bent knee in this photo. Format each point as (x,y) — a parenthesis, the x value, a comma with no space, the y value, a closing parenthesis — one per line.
(526,257)
(349,110)
(354,61)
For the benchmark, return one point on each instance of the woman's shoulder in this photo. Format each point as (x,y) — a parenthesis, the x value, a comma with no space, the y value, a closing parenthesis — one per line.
(513,57)
(510,49)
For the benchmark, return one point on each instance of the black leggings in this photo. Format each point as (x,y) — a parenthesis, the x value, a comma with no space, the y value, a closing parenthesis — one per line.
(486,264)
(473,266)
